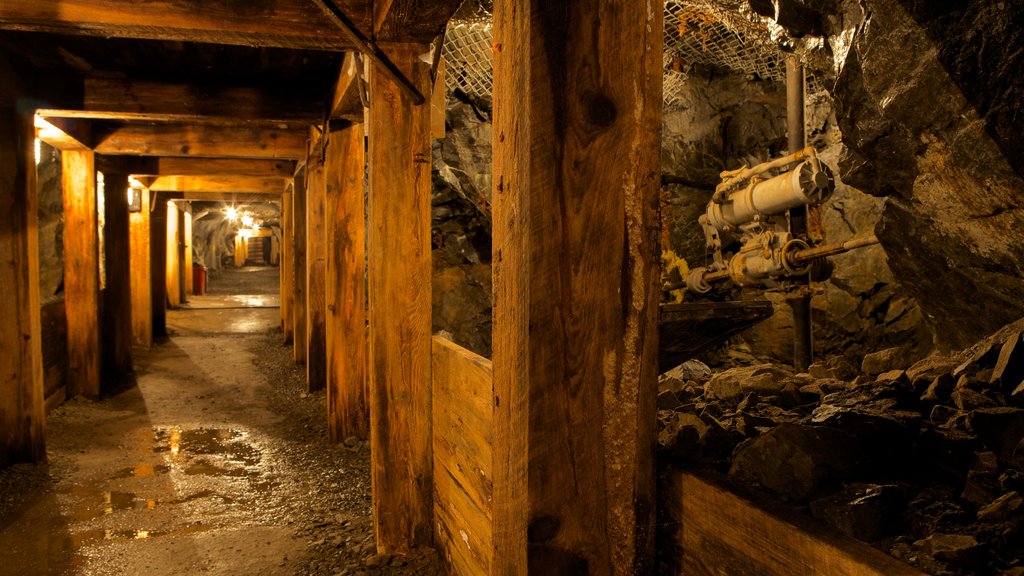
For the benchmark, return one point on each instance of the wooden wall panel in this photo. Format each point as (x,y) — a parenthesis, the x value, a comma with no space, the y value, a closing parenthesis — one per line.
(576,172)
(711,530)
(463,421)
(348,410)
(21,379)
(316,269)
(117,296)
(81,272)
(141,283)
(398,246)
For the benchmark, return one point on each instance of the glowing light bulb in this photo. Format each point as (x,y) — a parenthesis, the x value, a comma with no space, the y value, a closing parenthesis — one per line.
(231,213)
(247,221)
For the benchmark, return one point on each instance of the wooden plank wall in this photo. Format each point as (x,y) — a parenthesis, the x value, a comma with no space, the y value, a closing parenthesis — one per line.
(711,530)
(54,322)
(141,283)
(286,270)
(173,271)
(348,410)
(316,269)
(21,380)
(577,140)
(398,247)
(298,238)
(117,298)
(81,272)
(463,415)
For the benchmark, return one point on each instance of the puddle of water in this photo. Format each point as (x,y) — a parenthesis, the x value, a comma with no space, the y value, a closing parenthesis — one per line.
(90,537)
(142,471)
(227,444)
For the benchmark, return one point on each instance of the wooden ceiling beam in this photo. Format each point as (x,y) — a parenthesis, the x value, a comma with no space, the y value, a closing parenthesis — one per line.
(64,134)
(346,103)
(256,168)
(417,21)
(182,140)
(246,184)
(233,198)
(269,23)
(235,102)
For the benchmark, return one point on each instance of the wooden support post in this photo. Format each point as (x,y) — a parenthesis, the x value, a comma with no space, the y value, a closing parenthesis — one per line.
(158,264)
(81,272)
(172,272)
(576,173)
(316,263)
(186,246)
(286,269)
(299,268)
(21,375)
(117,297)
(348,413)
(141,283)
(398,245)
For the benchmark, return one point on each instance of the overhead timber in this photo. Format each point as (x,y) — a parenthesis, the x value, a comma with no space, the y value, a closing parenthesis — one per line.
(246,184)
(219,167)
(172,139)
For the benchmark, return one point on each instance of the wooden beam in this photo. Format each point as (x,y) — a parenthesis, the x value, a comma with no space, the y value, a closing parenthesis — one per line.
(163,118)
(64,133)
(158,225)
(117,295)
(346,104)
(141,283)
(133,165)
(316,265)
(287,281)
(237,102)
(223,167)
(81,272)
(186,247)
(398,246)
(754,538)
(271,23)
(576,170)
(226,197)
(245,184)
(298,238)
(203,141)
(412,20)
(21,379)
(348,410)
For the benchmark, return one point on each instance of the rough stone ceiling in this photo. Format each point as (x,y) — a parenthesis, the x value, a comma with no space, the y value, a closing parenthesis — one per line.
(710,34)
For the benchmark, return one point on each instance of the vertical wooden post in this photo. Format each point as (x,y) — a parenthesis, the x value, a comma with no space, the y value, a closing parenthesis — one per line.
(398,245)
(299,268)
(21,373)
(158,264)
(172,271)
(141,270)
(348,413)
(286,268)
(316,261)
(81,272)
(186,247)
(117,297)
(576,173)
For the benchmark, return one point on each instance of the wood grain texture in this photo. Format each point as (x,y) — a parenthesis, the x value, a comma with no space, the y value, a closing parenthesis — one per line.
(398,247)
(223,167)
(243,184)
(576,153)
(316,280)
(417,21)
(172,271)
(298,238)
(117,296)
(141,282)
(158,263)
(196,140)
(274,23)
(186,241)
(286,270)
(81,272)
(463,422)
(241,102)
(346,103)
(348,409)
(65,133)
(21,372)
(713,530)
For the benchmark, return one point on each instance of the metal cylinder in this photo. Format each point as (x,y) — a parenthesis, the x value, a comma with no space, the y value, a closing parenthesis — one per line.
(798,187)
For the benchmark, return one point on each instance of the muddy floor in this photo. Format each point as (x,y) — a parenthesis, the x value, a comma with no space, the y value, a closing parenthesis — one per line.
(215,462)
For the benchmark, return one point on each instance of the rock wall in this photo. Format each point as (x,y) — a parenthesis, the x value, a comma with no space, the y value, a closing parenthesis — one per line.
(51,225)
(928,100)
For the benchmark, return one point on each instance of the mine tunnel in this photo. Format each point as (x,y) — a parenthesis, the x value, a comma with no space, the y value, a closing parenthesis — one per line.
(337,287)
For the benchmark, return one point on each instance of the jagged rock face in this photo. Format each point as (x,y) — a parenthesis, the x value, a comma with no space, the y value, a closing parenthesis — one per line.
(51,225)
(928,102)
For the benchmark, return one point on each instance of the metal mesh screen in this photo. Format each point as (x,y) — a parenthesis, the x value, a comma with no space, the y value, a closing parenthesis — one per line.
(721,34)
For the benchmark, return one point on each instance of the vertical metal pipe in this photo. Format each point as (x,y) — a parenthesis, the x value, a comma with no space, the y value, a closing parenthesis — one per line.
(800,298)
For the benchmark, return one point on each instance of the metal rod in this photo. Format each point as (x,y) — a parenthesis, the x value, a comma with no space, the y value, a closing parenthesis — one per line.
(803,337)
(368,49)
(801,256)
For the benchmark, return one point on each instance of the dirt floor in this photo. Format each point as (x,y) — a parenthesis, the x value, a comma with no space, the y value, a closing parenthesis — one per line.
(215,462)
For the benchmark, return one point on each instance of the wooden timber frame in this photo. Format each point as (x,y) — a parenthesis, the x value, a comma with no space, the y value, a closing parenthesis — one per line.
(576,271)
(141,283)
(316,268)
(117,295)
(298,267)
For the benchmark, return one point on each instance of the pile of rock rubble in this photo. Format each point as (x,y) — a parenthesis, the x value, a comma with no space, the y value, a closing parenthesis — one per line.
(924,462)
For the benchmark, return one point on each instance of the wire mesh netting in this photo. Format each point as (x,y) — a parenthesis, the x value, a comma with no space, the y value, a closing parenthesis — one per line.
(718,34)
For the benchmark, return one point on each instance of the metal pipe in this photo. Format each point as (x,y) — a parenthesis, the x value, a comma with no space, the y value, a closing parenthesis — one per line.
(802,256)
(803,337)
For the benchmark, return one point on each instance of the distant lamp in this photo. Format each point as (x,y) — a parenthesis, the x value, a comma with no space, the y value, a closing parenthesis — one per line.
(247,221)
(134,200)
(231,214)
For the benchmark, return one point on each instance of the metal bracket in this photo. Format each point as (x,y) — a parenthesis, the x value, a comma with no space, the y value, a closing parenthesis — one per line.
(369,49)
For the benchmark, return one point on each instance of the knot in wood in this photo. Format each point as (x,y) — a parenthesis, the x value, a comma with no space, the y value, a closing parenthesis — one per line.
(599,109)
